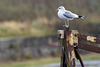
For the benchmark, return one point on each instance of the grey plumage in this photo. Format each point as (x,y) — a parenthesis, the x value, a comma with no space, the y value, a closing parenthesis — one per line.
(67,15)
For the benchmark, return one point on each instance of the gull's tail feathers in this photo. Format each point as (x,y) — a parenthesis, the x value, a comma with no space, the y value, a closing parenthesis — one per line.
(80,17)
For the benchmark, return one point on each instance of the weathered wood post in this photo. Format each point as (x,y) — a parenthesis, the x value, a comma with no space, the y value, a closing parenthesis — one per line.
(69,41)
(70,46)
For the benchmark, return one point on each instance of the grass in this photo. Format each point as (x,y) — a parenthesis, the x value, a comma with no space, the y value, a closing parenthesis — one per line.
(29,28)
(35,62)
(45,61)
(91,56)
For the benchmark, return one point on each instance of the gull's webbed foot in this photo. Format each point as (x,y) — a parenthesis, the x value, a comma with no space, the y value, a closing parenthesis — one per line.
(66,26)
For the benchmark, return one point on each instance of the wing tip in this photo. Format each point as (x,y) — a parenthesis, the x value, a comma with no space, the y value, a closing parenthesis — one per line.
(82,17)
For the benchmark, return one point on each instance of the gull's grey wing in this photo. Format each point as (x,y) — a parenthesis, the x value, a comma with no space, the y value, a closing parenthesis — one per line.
(69,14)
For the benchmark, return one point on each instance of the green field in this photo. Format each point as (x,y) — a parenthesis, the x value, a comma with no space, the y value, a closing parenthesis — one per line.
(35,62)
(39,18)
(45,61)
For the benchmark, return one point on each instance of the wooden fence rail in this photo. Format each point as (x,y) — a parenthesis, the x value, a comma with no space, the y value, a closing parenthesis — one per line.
(70,46)
(89,38)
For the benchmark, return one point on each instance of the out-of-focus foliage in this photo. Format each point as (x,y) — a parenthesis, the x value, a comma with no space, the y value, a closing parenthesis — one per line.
(32,9)
(26,9)
(42,14)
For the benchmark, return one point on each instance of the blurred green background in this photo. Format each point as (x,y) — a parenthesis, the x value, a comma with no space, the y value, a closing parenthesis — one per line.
(39,18)
(32,17)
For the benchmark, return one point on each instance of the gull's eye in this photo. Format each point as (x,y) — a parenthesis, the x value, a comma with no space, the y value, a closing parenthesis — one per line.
(59,8)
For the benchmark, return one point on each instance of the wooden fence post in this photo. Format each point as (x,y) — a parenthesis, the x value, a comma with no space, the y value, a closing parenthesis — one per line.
(69,41)
(70,46)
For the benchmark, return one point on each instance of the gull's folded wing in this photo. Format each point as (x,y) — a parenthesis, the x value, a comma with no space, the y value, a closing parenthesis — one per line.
(69,14)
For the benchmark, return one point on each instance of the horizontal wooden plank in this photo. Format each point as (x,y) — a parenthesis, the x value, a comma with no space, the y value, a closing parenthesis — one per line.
(89,47)
(89,38)
(97,40)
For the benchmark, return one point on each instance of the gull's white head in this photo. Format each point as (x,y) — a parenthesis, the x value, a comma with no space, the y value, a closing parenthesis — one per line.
(61,8)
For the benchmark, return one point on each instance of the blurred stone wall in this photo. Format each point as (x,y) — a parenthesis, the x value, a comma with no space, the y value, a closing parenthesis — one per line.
(21,48)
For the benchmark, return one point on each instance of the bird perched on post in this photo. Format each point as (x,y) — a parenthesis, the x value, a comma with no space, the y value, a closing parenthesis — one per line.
(67,15)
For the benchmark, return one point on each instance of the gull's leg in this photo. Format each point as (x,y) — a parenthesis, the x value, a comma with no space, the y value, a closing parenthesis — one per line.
(66,24)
